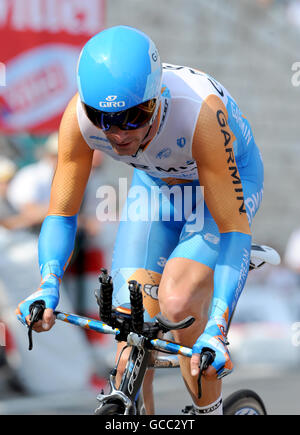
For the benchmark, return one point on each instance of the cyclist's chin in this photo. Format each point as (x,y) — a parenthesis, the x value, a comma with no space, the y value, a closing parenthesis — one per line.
(126,149)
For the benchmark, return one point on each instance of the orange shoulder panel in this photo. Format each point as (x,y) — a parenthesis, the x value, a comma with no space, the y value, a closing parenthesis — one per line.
(217,168)
(73,166)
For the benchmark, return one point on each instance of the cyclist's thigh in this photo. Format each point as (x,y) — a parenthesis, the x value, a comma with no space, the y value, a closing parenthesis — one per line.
(142,247)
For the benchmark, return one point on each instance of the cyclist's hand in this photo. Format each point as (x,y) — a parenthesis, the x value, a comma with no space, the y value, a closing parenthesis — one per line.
(49,293)
(215,339)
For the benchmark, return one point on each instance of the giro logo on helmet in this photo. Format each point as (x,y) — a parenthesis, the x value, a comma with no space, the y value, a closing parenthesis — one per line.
(110,102)
(155,56)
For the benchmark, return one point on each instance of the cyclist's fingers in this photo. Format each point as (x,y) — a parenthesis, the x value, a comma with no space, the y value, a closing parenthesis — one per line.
(45,324)
(37,325)
(195,362)
(40,326)
(48,319)
(48,316)
(210,372)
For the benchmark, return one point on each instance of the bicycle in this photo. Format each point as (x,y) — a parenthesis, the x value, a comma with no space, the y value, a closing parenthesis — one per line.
(142,337)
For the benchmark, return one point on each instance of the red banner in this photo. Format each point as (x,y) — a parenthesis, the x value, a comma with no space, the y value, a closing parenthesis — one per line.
(40,44)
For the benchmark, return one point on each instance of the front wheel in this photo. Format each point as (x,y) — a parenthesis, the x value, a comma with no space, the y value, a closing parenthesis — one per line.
(244,402)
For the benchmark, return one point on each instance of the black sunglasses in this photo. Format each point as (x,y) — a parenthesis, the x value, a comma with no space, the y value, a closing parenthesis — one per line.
(129,119)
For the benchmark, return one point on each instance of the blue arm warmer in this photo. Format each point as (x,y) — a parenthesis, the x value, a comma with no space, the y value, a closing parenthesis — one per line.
(56,243)
(231,272)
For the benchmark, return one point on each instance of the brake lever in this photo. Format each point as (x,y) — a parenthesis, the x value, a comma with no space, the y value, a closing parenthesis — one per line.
(207,357)
(36,311)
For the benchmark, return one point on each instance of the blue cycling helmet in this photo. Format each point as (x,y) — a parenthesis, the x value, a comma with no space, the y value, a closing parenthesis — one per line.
(119,68)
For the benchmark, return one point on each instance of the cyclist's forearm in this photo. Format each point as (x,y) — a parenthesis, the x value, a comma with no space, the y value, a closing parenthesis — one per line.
(231,272)
(56,244)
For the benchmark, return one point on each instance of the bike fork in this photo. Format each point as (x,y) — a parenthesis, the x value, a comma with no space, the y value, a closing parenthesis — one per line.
(131,383)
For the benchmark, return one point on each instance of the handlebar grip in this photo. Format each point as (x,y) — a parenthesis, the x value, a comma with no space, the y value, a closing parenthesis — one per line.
(137,307)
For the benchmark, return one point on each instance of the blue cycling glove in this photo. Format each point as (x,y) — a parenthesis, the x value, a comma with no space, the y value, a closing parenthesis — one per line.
(48,292)
(214,338)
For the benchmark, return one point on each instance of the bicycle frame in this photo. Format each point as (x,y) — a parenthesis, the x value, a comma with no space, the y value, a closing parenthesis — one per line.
(133,376)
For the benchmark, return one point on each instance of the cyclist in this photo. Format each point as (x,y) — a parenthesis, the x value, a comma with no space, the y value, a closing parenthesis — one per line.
(180,129)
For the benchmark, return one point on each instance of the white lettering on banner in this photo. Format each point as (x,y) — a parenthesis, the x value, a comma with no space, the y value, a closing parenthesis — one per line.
(3,12)
(34,88)
(35,11)
(41,81)
(2,74)
(72,16)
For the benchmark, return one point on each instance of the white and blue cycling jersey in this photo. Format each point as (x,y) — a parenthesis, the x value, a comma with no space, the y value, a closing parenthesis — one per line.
(144,245)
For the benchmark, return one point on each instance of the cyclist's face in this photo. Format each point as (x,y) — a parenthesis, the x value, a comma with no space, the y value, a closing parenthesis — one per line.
(126,142)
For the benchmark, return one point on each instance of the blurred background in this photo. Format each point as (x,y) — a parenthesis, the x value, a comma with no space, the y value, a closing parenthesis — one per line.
(252,48)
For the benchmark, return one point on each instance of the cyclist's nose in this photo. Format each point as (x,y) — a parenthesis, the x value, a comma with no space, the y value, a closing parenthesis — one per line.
(116,133)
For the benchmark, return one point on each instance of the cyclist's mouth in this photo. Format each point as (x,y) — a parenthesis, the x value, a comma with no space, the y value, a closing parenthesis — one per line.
(125,148)
(126,144)
(122,145)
